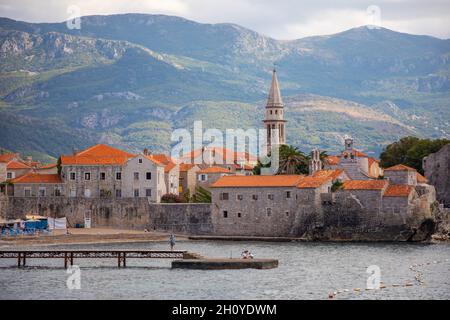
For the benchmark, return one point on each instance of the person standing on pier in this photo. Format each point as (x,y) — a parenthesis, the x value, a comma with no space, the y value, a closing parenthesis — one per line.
(172,241)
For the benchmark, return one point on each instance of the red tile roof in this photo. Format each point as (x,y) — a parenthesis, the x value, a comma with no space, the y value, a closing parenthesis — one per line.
(365,184)
(48,166)
(186,167)
(165,160)
(421,178)
(396,190)
(7,157)
(33,177)
(400,167)
(216,153)
(99,154)
(372,161)
(257,181)
(17,165)
(214,169)
(318,178)
(333,160)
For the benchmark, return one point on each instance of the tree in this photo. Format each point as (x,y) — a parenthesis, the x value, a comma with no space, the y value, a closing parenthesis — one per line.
(292,160)
(410,151)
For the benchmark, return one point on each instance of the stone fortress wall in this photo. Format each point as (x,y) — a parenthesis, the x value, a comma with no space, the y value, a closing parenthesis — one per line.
(341,217)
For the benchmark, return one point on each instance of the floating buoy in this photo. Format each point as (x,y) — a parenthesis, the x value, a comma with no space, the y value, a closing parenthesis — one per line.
(357,289)
(331,295)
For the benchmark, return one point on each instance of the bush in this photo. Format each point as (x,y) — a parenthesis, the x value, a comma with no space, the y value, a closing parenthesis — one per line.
(171,198)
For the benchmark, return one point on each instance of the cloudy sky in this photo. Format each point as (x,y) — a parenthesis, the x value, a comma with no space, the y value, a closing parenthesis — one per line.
(281,19)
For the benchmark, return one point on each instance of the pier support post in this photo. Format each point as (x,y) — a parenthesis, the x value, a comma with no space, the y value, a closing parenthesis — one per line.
(65,260)
(19,260)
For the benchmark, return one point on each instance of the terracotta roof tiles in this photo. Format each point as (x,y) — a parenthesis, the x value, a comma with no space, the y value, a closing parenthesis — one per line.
(400,167)
(214,169)
(365,184)
(396,190)
(257,181)
(33,177)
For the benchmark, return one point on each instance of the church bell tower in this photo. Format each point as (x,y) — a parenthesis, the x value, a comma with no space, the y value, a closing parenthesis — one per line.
(274,120)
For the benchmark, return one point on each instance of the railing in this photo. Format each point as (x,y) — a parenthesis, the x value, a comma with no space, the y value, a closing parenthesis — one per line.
(70,255)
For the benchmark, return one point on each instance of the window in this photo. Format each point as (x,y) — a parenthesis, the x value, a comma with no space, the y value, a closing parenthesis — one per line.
(239,215)
(287,213)
(57,192)
(203,177)
(9,175)
(87,176)
(148,176)
(269,211)
(118,175)
(118,193)
(148,192)
(102,176)
(136,193)
(255,197)
(288,194)
(73,193)
(240,197)
(72,176)
(41,192)
(225,214)
(276,111)
(27,192)
(224,196)
(270,196)
(87,193)
(140,160)
(136,176)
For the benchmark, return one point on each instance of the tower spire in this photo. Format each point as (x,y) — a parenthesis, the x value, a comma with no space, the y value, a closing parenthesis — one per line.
(274,99)
(274,120)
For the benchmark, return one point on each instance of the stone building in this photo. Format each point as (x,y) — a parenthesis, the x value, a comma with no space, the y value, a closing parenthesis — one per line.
(357,164)
(38,185)
(437,170)
(97,172)
(401,174)
(188,179)
(267,205)
(208,176)
(94,172)
(171,172)
(142,176)
(317,206)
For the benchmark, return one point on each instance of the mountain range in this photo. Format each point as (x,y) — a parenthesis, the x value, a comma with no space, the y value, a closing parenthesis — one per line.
(130,79)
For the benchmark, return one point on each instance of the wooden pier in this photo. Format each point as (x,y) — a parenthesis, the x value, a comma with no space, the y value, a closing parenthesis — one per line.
(70,255)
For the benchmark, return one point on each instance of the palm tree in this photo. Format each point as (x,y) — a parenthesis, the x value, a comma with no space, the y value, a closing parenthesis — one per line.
(291,160)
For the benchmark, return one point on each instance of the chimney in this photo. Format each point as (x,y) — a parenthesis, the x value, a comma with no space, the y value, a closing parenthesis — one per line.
(146,152)
(29,160)
(74,151)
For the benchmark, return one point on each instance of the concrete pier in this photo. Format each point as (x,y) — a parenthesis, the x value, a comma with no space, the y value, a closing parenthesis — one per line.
(223,264)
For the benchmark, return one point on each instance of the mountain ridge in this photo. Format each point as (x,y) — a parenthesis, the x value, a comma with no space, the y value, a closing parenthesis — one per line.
(121,77)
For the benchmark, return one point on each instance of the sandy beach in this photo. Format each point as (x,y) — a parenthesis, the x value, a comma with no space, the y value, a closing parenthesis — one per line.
(86,236)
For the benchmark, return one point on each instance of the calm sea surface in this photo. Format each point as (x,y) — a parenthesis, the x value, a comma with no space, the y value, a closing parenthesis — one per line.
(306,271)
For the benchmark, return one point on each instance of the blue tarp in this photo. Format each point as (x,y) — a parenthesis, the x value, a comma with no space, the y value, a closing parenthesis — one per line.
(36,224)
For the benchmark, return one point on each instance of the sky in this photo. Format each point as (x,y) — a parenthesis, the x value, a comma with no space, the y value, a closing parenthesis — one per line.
(280,19)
